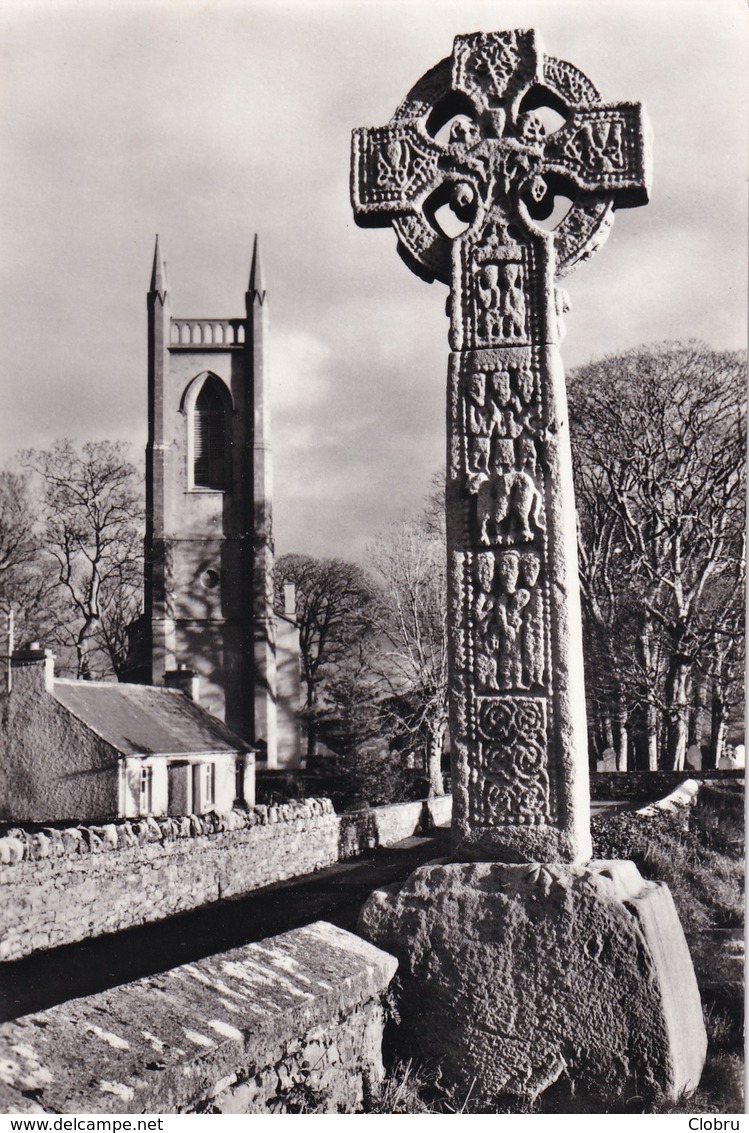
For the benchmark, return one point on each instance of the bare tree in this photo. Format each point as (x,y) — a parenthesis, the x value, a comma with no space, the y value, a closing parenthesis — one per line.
(410,619)
(658,439)
(332,602)
(91,529)
(26,583)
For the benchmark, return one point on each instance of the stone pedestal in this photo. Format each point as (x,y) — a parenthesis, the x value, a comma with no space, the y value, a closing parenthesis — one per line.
(516,977)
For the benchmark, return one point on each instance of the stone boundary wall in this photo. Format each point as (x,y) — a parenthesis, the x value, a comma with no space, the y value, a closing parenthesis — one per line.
(683,796)
(363,830)
(290,1024)
(650,785)
(58,886)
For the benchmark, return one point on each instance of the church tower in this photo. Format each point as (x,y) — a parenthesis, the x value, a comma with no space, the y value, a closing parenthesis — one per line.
(209,545)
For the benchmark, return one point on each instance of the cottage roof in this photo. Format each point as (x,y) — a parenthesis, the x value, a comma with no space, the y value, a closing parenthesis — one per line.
(142,720)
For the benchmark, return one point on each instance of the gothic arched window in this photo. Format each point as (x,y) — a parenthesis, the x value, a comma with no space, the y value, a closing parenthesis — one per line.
(211,418)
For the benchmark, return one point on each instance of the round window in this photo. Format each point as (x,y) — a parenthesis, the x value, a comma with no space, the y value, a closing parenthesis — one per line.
(210,579)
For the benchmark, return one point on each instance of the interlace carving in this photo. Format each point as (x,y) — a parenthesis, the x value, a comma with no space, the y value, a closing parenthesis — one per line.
(514,781)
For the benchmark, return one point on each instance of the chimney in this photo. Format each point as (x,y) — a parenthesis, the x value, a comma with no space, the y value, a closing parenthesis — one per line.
(33,668)
(289,601)
(185,680)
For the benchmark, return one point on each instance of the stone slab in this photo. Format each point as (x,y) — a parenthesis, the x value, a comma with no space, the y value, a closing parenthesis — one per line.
(246,1031)
(515,977)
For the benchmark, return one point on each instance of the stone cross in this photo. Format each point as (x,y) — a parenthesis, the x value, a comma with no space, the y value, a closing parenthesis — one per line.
(467,171)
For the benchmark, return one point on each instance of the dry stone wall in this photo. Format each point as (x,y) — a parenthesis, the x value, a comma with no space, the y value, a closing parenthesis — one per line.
(58,886)
(650,785)
(363,830)
(62,885)
(291,1024)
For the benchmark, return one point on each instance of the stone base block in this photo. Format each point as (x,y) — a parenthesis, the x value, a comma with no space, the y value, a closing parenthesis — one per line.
(515,977)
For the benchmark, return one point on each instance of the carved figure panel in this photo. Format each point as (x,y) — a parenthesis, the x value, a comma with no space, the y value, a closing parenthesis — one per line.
(502,421)
(500,304)
(509,509)
(508,621)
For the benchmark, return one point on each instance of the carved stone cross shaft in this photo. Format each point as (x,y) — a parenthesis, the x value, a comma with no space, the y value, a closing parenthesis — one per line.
(466,172)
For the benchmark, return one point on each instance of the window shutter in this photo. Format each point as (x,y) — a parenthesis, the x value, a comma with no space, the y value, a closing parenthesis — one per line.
(210,448)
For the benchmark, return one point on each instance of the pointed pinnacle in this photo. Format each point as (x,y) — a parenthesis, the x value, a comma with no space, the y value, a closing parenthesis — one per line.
(257,276)
(158,273)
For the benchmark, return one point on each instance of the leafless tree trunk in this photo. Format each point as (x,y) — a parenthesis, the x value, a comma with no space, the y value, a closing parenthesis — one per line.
(411,634)
(92,530)
(658,439)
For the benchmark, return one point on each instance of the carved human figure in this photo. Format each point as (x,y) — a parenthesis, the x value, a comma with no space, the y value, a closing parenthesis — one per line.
(612,158)
(501,388)
(392,163)
(513,302)
(484,618)
(524,384)
(509,607)
(528,455)
(491,313)
(534,660)
(478,461)
(502,410)
(504,455)
(478,421)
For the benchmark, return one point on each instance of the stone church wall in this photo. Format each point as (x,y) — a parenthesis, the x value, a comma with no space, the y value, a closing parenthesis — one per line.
(288,694)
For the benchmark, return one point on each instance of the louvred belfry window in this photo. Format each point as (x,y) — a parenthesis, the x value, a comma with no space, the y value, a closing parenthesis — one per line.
(210,438)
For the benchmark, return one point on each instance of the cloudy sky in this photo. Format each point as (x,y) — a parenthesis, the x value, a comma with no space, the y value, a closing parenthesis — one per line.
(206,122)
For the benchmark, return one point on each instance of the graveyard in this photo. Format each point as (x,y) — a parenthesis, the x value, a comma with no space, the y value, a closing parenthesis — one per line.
(525,896)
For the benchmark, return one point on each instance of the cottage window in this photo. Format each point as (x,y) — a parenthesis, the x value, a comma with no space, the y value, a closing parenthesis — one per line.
(146,790)
(203,787)
(209,784)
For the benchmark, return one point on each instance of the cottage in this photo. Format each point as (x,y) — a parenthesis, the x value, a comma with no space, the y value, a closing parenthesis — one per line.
(88,751)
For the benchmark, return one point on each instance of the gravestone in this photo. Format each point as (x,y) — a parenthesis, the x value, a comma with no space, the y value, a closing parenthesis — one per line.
(472,172)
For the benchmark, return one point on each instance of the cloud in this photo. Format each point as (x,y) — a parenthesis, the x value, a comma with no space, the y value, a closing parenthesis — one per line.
(299,372)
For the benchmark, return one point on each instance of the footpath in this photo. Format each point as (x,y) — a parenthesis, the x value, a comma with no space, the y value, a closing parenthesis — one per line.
(335,894)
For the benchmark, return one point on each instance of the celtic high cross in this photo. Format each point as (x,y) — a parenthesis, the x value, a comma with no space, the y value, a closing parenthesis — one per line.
(466,172)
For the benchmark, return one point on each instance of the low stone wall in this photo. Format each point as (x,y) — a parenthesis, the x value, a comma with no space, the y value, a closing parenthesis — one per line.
(363,830)
(292,1024)
(649,785)
(58,886)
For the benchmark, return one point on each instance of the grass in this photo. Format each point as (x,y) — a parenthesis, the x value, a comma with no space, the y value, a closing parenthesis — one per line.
(699,853)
